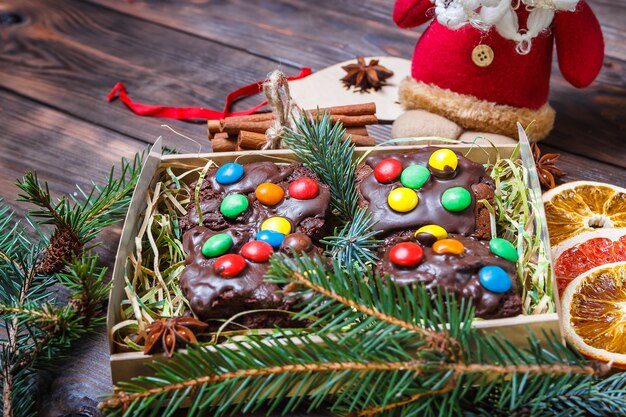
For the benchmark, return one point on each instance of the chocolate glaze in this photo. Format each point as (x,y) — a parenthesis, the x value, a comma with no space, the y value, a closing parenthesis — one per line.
(306,216)
(254,174)
(458,274)
(429,209)
(213,296)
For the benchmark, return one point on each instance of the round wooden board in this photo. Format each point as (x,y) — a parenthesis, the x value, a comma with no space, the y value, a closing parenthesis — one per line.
(325,89)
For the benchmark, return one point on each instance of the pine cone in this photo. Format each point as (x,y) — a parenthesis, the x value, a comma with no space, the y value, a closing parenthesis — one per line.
(63,245)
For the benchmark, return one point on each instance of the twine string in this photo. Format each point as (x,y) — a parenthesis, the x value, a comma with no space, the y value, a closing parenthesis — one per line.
(285,110)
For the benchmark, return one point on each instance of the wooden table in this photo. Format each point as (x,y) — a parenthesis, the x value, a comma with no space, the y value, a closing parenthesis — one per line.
(58,60)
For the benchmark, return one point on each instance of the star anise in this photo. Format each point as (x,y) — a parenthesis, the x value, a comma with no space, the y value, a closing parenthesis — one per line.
(365,76)
(167,334)
(547,171)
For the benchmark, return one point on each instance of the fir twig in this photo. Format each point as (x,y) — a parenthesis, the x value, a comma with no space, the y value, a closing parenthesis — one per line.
(319,144)
(97,208)
(355,242)
(36,327)
(366,297)
(357,371)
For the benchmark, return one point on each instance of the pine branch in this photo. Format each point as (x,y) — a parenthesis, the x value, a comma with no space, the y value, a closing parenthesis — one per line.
(36,329)
(265,373)
(45,314)
(371,350)
(351,301)
(100,207)
(14,242)
(88,291)
(355,243)
(319,144)
(39,195)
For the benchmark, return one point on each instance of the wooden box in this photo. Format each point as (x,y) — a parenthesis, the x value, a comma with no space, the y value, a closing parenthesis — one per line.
(126,365)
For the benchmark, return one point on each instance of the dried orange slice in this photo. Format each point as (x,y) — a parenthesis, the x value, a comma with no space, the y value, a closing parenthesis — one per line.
(594,313)
(583,206)
(587,250)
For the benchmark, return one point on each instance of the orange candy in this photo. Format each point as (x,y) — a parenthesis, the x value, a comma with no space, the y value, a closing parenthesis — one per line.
(450,246)
(269,194)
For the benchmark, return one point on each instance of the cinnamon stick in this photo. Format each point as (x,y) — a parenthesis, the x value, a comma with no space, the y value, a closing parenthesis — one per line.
(357,115)
(349,110)
(257,117)
(215,126)
(221,135)
(355,121)
(234,126)
(221,142)
(360,140)
(357,131)
(251,140)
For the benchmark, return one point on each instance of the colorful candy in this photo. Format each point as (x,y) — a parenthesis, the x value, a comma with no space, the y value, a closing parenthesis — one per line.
(217,245)
(304,189)
(299,242)
(387,170)
(269,194)
(414,176)
(274,239)
(429,234)
(402,199)
(503,248)
(277,224)
(233,205)
(229,173)
(230,265)
(257,251)
(407,254)
(442,163)
(456,199)
(494,279)
(448,246)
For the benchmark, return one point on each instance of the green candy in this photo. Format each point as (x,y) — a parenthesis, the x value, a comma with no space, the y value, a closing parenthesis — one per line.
(217,245)
(414,176)
(503,248)
(233,205)
(456,199)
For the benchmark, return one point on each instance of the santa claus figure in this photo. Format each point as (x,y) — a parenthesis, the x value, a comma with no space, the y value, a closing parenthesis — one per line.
(485,64)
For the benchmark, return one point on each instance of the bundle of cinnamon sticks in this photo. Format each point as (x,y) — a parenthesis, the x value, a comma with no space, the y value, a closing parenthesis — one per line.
(248,132)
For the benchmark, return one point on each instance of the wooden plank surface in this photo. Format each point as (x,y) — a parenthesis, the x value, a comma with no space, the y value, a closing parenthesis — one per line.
(73,54)
(58,65)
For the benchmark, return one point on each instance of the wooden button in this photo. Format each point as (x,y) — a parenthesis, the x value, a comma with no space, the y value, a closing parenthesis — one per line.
(482,55)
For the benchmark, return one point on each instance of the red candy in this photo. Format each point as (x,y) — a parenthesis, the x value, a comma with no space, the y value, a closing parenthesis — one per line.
(304,189)
(388,170)
(257,251)
(230,265)
(406,254)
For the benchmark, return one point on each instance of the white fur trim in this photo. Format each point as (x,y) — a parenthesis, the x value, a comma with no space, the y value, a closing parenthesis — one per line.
(472,113)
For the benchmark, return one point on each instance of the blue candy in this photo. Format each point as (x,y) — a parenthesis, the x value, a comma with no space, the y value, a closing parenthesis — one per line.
(270,236)
(494,279)
(229,173)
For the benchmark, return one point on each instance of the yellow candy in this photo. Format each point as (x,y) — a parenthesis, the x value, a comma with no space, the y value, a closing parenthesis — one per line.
(432,229)
(443,158)
(277,224)
(402,199)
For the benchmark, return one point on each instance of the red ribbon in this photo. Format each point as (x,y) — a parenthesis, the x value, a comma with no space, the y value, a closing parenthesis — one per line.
(186,113)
